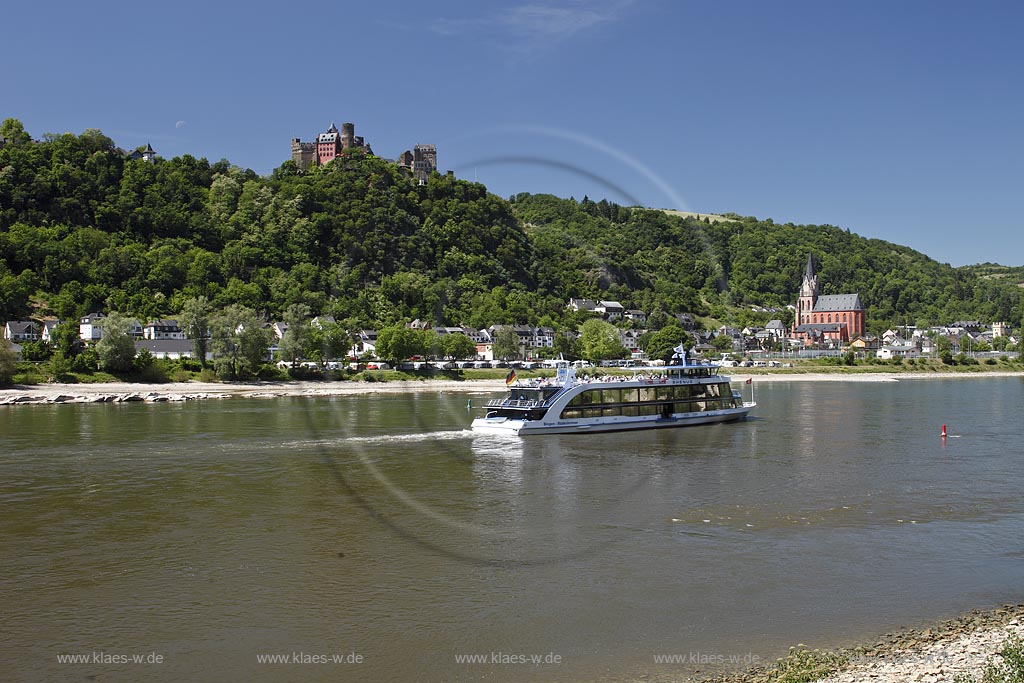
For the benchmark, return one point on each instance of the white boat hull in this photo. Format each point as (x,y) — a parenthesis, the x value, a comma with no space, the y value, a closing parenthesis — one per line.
(511,426)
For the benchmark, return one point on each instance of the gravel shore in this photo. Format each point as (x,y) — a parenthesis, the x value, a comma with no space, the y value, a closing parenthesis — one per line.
(119,392)
(936,654)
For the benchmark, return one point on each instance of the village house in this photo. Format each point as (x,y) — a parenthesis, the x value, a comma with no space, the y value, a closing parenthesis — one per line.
(478,336)
(587,305)
(776,330)
(904,350)
(636,315)
(46,335)
(20,331)
(686,321)
(610,310)
(865,342)
(279,328)
(168,349)
(366,342)
(162,329)
(90,327)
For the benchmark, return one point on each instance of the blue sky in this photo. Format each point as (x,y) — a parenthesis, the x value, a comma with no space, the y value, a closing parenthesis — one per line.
(897,120)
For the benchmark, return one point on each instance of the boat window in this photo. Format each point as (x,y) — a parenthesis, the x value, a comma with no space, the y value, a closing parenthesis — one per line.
(712,390)
(649,409)
(663,393)
(629,395)
(586,398)
(611,395)
(570,414)
(647,394)
(630,411)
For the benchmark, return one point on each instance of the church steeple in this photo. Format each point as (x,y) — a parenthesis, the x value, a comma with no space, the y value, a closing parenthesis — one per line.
(810,284)
(809,291)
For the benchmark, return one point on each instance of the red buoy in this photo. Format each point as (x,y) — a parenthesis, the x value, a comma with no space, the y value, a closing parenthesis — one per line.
(943,431)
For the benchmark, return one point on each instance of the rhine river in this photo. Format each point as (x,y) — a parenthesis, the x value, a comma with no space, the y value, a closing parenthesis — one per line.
(373,538)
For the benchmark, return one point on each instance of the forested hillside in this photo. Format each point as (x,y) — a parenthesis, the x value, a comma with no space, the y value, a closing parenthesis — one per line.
(650,259)
(84,228)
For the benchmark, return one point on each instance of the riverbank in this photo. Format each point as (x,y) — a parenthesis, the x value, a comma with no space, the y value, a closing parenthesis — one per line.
(951,651)
(123,392)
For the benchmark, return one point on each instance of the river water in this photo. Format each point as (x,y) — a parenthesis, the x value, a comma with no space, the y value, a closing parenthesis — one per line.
(373,538)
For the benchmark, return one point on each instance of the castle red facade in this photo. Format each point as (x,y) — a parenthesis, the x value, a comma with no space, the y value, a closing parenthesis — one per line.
(328,145)
(828,320)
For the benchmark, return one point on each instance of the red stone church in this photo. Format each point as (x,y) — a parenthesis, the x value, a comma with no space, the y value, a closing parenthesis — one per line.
(826,320)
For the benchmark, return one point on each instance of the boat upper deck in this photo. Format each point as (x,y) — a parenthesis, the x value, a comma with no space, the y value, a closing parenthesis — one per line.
(541,393)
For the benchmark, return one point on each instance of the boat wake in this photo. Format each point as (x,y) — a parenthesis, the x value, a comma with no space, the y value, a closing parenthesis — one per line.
(416,436)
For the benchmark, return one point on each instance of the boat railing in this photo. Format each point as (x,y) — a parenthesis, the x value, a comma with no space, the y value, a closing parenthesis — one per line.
(513,403)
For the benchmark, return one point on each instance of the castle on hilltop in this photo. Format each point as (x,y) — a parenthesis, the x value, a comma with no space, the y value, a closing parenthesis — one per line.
(420,162)
(828,319)
(328,145)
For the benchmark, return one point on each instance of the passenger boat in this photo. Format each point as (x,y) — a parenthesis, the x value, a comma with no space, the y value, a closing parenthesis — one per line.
(678,395)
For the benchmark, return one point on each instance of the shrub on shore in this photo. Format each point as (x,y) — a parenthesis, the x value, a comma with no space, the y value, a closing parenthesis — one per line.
(1006,666)
(802,665)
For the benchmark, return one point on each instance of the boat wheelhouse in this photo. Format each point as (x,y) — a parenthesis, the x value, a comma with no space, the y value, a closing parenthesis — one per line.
(653,398)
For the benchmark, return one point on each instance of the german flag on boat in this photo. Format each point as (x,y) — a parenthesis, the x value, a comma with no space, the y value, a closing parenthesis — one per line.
(511,377)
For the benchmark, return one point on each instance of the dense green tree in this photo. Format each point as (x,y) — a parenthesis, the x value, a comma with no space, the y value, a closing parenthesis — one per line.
(295,342)
(599,340)
(328,340)
(661,345)
(397,343)
(195,323)
(458,346)
(66,340)
(36,351)
(7,363)
(240,341)
(722,342)
(506,344)
(566,345)
(116,348)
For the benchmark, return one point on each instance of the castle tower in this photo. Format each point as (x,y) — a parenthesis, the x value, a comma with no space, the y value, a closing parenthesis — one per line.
(303,153)
(809,292)
(348,135)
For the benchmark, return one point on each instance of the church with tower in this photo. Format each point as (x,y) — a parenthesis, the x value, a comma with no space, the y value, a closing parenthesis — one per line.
(826,319)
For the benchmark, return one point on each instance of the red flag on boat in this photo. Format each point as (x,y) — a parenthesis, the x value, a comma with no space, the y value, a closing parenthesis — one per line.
(749,379)
(510,378)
